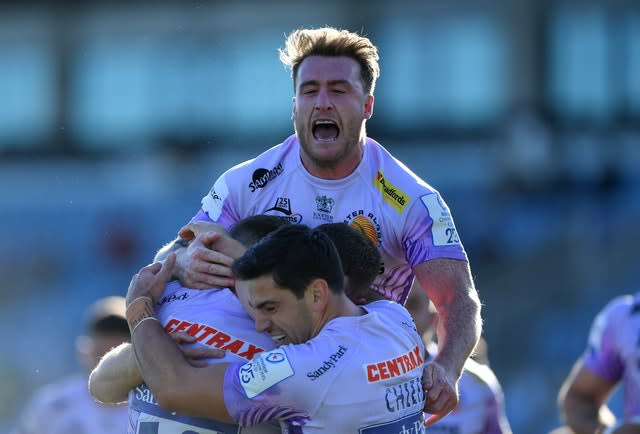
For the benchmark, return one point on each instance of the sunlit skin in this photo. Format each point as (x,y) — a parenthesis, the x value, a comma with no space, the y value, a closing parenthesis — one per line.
(277,311)
(330,89)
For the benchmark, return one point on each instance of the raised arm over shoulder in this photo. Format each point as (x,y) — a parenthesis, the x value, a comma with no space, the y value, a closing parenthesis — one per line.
(115,375)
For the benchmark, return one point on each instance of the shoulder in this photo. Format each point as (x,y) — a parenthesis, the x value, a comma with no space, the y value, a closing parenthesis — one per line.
(618,310)
(272,160)
(388,168)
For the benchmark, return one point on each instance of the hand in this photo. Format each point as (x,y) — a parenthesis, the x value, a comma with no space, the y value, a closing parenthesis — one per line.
(201,267)
(441,392)
(151,280)
(196,356)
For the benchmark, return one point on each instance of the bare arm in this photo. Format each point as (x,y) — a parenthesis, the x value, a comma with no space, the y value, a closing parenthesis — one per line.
(176,385)
(449,285)
(115,375)
(582,401)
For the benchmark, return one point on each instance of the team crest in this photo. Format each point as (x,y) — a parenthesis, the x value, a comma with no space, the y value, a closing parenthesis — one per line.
(324,203)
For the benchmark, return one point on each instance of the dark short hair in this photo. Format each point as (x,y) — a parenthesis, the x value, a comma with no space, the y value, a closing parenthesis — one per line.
(359,256)
(106,316)
(251,229)
(293,255)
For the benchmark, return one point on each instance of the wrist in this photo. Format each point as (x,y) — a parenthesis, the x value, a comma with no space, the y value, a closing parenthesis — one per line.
(139,310)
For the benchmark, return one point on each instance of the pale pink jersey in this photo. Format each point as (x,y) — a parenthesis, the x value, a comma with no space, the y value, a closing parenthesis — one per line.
(67,407)
(406,218)
(614,349)
(360,374)
(481,406)
(216,318)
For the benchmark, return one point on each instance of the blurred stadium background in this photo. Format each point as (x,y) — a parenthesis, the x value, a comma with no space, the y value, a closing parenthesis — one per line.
(116,117)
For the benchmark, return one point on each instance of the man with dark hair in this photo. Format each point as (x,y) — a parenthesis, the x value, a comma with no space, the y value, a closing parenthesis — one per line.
(66,407)
(360,260)
(330,372)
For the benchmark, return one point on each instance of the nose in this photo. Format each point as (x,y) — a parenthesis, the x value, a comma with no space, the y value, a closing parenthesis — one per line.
(262,323)
(323,101)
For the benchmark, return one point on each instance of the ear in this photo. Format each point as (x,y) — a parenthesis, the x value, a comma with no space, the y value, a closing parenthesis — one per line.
(368,107)
(319,294)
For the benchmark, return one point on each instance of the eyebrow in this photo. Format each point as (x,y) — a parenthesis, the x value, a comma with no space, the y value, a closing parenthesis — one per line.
(264,303)
(331,82)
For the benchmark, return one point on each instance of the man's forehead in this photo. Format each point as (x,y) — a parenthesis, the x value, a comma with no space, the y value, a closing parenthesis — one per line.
(328,68)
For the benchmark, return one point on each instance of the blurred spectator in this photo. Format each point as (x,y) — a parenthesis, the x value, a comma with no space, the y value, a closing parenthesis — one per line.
(65,407)
(481,406)
(611,358)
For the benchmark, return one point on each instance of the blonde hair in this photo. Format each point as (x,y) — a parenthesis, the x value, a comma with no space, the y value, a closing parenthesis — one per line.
(328,41)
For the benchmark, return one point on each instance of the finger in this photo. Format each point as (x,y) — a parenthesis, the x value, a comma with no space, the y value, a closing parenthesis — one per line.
(196,363)
(167,267)
(433,419)
(219,270)
(206,281)
(207,239)
(427,377)
(211,257)
(183,338)
(202,353)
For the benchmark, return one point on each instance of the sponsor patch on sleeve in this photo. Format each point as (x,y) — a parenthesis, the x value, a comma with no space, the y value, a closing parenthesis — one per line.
(443,231)
(212,202)
(395,197)
(265,370)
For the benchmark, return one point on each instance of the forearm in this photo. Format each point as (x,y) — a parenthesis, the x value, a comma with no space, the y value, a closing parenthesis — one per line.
(449,285)
(176,385)
(115,375)
(458,331)
(584,416)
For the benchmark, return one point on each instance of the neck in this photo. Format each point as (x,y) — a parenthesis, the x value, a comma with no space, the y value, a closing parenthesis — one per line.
(340,168)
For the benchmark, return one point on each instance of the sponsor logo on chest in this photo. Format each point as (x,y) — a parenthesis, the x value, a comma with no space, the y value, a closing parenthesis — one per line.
(395,367)
(261,177)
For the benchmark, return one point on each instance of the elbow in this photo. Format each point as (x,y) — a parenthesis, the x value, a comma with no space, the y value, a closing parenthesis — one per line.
(102,392)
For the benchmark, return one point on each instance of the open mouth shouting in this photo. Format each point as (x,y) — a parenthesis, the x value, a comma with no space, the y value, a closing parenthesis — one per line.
(325,130)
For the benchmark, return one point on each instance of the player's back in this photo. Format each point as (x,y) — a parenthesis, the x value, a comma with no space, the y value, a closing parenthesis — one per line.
(216,319)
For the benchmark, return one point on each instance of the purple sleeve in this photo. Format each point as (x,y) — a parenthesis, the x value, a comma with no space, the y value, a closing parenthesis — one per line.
(430,232)
(602,356)
(262,408)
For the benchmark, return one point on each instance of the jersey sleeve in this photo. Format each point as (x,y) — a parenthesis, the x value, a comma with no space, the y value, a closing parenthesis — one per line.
(602,356)
(275,384)
(430,232)
(218,205)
